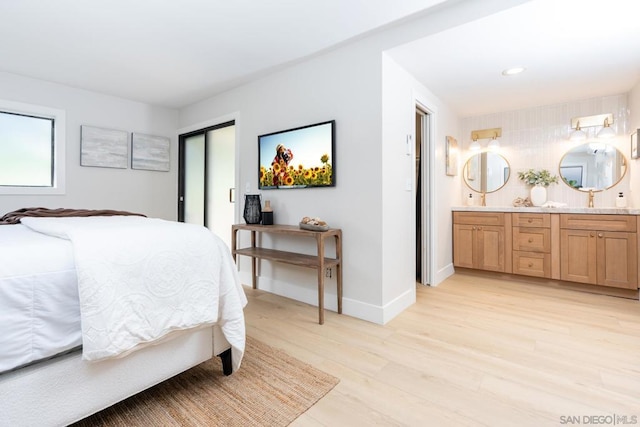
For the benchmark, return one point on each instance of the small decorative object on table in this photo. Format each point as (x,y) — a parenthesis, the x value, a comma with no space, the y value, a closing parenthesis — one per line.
(519,202)
(267,213)
(252,209)
(313,224)
(539,180)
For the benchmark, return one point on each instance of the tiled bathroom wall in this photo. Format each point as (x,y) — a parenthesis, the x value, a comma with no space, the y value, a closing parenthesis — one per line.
(538,138)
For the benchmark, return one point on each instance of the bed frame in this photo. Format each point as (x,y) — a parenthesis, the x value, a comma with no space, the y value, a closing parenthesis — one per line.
(65,389)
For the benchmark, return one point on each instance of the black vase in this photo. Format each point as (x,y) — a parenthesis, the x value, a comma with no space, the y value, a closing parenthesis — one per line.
(252,209)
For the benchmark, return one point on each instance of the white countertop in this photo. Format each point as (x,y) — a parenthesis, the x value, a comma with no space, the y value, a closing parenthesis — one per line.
(566,209)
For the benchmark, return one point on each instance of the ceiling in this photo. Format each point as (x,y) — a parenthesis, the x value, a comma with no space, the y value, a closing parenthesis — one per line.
(571,49)
(174,53)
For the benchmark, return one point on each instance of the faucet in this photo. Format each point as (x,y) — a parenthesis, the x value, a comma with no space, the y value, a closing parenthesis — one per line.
(483,199)
(590,198)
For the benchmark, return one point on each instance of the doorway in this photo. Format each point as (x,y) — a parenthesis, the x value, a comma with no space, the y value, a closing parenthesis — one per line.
(422,195)
(206,178)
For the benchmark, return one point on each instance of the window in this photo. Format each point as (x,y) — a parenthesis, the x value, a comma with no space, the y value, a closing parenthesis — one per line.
(31,149)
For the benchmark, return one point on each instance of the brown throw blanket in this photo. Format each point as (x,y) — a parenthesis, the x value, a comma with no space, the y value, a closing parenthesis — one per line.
(15,216)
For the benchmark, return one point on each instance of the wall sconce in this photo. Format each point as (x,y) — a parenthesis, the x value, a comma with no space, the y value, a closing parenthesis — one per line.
(492,134)
(494,144)
(606,132)
(604,120)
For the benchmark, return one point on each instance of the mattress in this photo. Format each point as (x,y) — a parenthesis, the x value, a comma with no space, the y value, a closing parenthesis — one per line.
(39,305)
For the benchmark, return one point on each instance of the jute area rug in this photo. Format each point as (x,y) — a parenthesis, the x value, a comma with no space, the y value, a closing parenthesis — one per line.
(270,389)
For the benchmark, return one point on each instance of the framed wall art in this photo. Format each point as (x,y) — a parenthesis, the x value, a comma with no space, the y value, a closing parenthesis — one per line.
(302,157)
(104,148)
(149,152)
(451,156)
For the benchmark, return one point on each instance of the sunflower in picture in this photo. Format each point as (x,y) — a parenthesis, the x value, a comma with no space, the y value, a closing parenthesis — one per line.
(282,174)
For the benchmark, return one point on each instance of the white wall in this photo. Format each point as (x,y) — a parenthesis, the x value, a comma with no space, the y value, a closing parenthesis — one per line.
(376,215)
(401,93)
(151,193)
(538,138)
(343,85)
(634,125)
(398,200)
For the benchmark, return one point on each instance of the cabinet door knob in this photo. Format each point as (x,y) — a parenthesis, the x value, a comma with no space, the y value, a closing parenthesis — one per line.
(473,228)
(530,240)
(592,234)
(600,235)
(530,264)
(479,228)
(530,220)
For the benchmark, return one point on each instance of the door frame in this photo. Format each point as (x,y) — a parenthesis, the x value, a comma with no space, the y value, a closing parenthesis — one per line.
(204,127)
(427,168)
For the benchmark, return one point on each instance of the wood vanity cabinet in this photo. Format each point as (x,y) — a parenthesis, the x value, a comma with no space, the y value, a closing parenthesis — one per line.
(532,244)
(480,241)
(599,250)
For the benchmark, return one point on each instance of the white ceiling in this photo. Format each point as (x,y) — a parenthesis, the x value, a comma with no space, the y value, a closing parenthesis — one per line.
(572,49)
(174,53)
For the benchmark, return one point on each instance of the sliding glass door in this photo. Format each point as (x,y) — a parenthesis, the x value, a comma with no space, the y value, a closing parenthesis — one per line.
(206,193)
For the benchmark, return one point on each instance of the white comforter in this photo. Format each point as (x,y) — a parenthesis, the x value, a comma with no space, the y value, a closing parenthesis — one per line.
(139,279)
(39,310)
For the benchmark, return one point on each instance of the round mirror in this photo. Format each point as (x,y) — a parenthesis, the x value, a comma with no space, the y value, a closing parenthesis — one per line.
(486,172)
(593,166)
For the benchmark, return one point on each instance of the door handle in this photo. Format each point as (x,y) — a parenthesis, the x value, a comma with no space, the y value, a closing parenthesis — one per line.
(232,198)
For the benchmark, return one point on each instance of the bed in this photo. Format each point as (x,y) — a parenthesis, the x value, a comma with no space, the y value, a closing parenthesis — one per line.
(94,309)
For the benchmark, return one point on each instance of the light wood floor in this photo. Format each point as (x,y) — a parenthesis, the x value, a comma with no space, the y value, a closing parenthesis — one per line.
(472,351)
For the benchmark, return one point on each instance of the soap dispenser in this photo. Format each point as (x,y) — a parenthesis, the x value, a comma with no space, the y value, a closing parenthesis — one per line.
(470,201)
(621,201)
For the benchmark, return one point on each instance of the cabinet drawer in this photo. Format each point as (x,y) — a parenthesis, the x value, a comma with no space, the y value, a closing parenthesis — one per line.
(475,218)
(532,264)
(598,222)
(531,220)
(532,239)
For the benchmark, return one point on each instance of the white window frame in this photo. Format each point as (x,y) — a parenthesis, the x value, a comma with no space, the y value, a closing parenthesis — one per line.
(59,140)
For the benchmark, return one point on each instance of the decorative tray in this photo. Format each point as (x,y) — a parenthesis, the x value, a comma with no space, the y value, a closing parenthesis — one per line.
(314,227)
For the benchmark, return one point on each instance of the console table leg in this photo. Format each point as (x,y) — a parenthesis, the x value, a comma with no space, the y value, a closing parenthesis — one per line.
(339,285)
(321,295)
(321,273)
(254,283)
(338,241)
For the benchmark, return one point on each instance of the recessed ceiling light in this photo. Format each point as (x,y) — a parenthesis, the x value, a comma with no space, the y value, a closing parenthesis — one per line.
(512,71)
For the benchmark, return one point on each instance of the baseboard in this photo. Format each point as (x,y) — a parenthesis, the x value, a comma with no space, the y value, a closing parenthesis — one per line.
(399,304)
(442,274)
(350,307)
(307,294)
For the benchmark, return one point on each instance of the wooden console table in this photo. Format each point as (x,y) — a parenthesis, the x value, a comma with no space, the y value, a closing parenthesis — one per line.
(318,261)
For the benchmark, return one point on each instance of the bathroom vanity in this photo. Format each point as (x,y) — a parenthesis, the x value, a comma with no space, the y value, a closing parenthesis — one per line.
(594,249)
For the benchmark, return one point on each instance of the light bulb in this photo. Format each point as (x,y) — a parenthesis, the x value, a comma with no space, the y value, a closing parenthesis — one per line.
(578,135)
(606,132)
